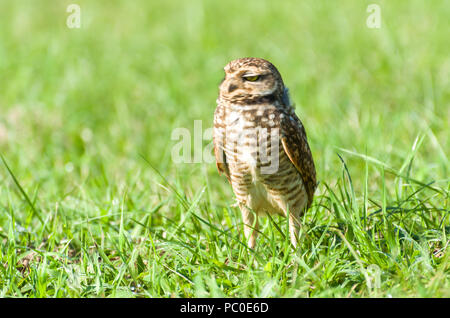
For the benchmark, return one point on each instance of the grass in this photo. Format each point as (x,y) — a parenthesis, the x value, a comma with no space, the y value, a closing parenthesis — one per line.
(92,205)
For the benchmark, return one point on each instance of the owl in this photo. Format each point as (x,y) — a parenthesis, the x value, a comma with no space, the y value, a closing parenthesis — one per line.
(260,145)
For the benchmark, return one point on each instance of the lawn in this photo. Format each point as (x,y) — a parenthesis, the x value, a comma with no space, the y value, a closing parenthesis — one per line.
(92,203)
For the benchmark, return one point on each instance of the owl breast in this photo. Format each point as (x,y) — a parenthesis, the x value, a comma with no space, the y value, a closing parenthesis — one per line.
(260,171)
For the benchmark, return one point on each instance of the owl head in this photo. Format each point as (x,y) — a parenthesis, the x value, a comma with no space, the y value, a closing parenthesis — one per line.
(249,78)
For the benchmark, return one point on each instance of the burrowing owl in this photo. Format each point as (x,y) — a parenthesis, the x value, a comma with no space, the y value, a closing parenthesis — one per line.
(261,146)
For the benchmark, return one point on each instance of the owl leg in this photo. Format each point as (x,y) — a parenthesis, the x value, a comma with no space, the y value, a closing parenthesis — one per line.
(294,228)
(250,225)
(293,219)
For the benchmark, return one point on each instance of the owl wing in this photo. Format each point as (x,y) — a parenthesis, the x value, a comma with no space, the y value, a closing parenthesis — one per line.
(219,142)
(295,145)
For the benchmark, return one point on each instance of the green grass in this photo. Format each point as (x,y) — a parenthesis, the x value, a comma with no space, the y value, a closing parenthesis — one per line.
(86,113)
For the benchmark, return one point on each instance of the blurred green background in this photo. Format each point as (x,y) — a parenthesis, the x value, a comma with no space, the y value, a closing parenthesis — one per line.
(78,107)
(136,70)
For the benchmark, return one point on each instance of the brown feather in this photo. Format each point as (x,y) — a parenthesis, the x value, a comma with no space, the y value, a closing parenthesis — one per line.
(295,145)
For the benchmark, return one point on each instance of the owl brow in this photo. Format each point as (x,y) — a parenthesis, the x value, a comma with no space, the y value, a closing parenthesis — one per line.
(261,76)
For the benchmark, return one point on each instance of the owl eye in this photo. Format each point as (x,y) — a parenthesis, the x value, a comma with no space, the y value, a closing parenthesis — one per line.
(252,78)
